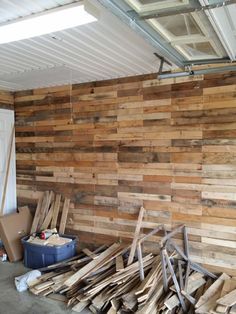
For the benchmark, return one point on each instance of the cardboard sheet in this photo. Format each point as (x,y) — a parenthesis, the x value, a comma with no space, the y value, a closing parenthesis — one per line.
(13,227)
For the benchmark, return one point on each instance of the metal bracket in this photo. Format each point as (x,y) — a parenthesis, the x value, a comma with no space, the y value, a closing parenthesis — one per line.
(162,61)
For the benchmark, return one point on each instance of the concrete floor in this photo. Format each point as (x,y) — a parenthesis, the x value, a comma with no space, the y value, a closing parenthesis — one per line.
(14,302)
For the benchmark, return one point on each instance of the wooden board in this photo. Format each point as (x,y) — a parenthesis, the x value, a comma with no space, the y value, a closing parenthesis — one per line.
(64,214)
(56,209)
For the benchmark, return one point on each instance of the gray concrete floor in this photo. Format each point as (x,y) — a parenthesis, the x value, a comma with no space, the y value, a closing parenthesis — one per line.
(14,302)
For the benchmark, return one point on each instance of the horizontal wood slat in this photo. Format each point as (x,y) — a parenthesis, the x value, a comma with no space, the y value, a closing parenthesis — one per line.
(6,100)
(114,146)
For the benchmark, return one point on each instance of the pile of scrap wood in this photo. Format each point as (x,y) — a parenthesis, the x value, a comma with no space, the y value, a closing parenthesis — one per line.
(47,213)
(113,280)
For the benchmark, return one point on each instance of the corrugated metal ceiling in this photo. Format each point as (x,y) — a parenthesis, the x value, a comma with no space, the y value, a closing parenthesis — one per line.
(100,50)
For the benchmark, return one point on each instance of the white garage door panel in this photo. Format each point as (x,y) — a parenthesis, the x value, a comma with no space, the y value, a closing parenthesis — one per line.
(6,125)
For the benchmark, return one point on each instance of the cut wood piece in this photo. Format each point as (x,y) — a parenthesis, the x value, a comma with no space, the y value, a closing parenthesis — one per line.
(151,233)
(186,245)
(89,253)
(58,297)
(136,236)
(188,297)
(222,309)
(149,278)
(172,302)
(111,311)
(115,304)
(164,273)
(56,209)
(37,215)
(171,234)
(140,260)
(229,285)
(175,281)
(64,214)
(79,307)
(229,299)
(119,263)
(45,207)
(195,281)
(48,218)
(212,290)
(233,310)
(105,256)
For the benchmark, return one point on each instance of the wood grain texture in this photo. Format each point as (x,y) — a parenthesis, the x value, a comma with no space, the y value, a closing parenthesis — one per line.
(6,100)
(114,146)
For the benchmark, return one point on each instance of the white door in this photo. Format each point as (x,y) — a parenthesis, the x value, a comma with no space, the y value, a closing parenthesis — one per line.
(6,125)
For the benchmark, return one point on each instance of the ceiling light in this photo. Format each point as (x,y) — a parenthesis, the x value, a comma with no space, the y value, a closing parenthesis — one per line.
(52,21)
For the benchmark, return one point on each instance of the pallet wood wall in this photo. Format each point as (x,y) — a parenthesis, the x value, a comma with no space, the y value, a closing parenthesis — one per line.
(6,100)
(114,146)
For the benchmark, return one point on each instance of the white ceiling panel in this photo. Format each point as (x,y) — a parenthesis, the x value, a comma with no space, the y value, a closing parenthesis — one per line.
(101,50)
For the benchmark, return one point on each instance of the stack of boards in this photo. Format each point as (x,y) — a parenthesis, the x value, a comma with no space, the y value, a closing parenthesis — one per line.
(48,211)
(114,280)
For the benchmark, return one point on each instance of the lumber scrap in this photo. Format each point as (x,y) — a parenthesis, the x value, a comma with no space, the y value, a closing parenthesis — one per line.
(64,214)
(119,263)
(103,258)
(228,300)
(35,223)
(102,281)
(136,235)
(56,209)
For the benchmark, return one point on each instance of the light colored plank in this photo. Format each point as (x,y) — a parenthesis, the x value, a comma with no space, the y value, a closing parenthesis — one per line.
(64,214)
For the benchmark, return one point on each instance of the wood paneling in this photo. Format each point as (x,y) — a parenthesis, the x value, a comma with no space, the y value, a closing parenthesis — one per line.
(6,100)
(114,146)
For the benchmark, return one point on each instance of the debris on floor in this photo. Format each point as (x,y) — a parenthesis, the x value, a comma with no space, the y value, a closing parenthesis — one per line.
(21,282)
(113,280)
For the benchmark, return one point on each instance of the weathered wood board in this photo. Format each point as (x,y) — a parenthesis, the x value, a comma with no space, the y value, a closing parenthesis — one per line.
(6,100)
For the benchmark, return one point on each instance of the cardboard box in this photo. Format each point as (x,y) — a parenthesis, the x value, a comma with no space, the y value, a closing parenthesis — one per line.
(13,227)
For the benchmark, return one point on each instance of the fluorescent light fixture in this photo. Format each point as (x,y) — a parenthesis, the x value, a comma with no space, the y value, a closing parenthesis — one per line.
(47,22)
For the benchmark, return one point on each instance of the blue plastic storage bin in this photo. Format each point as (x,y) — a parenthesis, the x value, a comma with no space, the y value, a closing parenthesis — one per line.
(38,256)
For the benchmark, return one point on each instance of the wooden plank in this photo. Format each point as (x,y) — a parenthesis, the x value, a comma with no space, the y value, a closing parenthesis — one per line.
(140,260)
(37,215)
(119,263)
(89,253)
(48,218)
(56,209)
(212,290)
(64,214)
(229,299)
(93,264)
(48,197)
(183,305)
(136,235)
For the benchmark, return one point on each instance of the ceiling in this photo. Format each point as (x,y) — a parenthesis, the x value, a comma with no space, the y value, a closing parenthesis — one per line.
(121,43)
(101,50)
